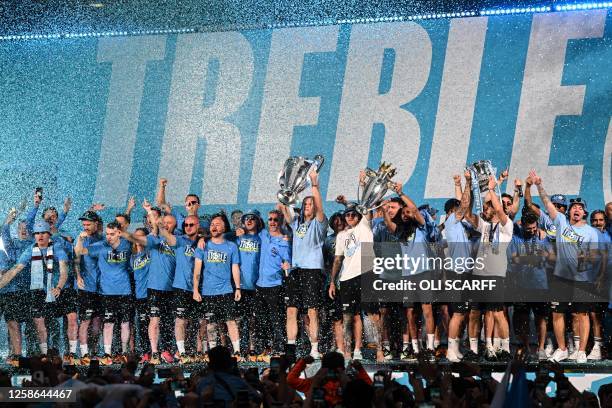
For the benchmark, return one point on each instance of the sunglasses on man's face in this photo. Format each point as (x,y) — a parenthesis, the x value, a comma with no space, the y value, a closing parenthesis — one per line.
(190,203)
(190,225)
(273,219)
(249,219)
(350,215)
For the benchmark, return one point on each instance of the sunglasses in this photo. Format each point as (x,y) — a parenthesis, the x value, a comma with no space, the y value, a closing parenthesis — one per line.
(576,200)
(190,203)
(250,218)
(350,215)
(273,219)
(190,225)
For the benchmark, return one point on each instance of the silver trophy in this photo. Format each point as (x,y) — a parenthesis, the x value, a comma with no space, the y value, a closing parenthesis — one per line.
(374,187)
(481,170)
(293,178)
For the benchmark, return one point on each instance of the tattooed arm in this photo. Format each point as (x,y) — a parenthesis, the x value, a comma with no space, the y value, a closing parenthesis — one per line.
(550,208)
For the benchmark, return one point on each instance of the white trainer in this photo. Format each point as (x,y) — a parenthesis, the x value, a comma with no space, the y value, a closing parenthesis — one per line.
(559,355)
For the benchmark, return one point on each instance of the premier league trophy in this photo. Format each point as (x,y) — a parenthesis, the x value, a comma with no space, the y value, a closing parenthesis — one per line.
(293,178)
(481,170)
(375,186)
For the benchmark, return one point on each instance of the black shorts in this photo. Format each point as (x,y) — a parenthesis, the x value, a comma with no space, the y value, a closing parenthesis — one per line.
(40,308)
(488,306)
(184,305)
(271,298)
(304,288)
(67,302)
(350,298)
(118,308)
(247,306)
(159,302)
(141,307)
(458,307)
(332,307)
(539,309)
(15,306)
(89,305)
(219,308)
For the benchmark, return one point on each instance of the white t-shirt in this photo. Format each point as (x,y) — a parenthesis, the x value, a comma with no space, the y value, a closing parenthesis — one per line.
(494,243)
(348,244)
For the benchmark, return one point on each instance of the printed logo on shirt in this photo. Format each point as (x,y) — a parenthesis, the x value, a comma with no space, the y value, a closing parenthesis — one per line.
(166,249)
(350,244)
(274,251)
(569,235)
(117,256)
(189,251)
(216,256)
(140,263)
(248,245)
(301,230)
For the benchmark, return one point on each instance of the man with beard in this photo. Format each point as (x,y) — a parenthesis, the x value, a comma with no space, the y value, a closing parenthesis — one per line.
(599,221)
(577,251)
(220,262)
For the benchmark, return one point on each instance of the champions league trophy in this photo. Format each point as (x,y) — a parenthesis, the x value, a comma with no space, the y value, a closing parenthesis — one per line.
(481,170)
(293,178)
(375,186)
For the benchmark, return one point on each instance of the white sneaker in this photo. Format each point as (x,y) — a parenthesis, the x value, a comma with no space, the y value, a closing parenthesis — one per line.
(573,355)
(559,355)
(581,358)
(570,345)
(549,350)
(453,356)
(357,355)
(595,354)
(543,355)
(315,354)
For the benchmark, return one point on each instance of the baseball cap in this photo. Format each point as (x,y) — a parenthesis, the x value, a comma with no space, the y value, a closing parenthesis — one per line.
(350,208)
(89,216)
(559,199)
(41,227)
(251,212)
(578,201)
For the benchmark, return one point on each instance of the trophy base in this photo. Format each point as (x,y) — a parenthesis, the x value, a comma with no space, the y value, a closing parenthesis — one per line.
(288,198)
(362,209)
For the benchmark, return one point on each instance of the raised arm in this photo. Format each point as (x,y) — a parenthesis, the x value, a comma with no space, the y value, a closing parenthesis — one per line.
(516,199)
(529,198)
(130,205)
(497,205)
(465,208)
(65,210)
(160,198)
(285,211)
(410,204)
(391,226)
(548,205)
(79,249)
(458,190)
(316,195)
(10,275)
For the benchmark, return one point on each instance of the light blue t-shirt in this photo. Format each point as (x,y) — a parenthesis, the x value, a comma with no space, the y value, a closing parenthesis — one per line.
(547,225)
(458,243)
(525,275)
(570,241)
(274,251)
(308,241)
(217,264)
(249,247)
(89,267)
(605,245)
(163,263)
(140,263)
(416,248)
(183,275)
(114,265)
(58,255)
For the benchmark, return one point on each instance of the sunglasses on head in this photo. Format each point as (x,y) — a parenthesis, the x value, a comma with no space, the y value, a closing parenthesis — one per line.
(576,200)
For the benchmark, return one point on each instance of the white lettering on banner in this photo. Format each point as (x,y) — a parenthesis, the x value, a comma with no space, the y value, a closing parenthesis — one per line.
(449,149)
(362,106)
(606,166)
(543,98)
(282,108)
(129,57)
(188,119)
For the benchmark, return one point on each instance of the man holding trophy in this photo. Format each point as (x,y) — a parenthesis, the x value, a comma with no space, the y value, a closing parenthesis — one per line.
(305,281)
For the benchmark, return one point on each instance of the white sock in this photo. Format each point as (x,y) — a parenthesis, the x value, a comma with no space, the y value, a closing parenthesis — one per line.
(125,347)
(489,343)
(436,343)
(43,348)
(386,345)
(505,344)
(549,342)
(73,346)
(107,349)
(236,346)
(474,344)
(577,343)
(496,343)
(314,347)
(453,344)
(415,345)
(430,341)
(291,341)
(597,342)
(405,345)
(180,345)
(84,349)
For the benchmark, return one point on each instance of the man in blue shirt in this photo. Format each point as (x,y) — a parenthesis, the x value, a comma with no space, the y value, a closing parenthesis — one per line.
(184,305)
(577,245)
(249,245)
(113,258)
(47,264)
(220,261)
(275,261)
(599,221)
(87,277)
(305,282)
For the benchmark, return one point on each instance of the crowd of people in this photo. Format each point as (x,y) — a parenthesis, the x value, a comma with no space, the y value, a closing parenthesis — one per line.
(289,282)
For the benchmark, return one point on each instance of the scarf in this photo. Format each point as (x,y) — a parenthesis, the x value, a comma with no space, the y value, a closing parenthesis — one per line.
(41,266)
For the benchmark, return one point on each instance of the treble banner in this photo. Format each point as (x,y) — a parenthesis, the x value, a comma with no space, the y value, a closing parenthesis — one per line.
(218,113)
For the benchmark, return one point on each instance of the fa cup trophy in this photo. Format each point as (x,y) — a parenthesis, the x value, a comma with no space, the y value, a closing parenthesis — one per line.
(375,186)
(481,170)
(293,178)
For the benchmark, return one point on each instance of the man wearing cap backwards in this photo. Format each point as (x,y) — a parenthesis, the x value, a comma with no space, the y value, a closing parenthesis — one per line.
(249,246)
(113,259)
(87,276)
(48,266)
(577,251)
(347,262)
(305,282)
